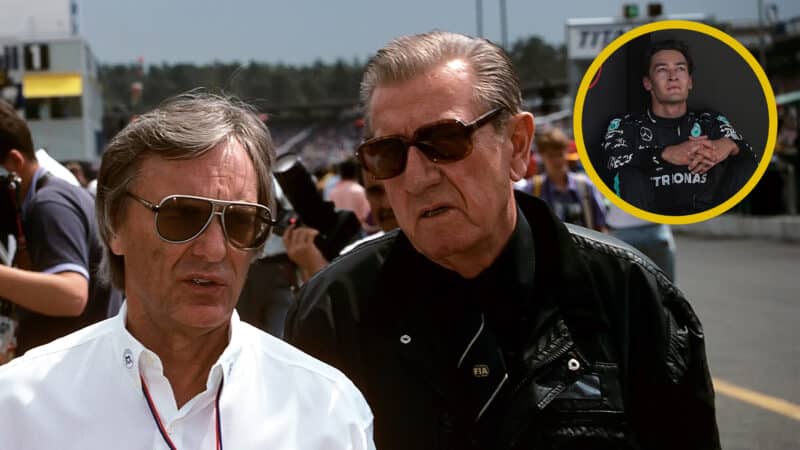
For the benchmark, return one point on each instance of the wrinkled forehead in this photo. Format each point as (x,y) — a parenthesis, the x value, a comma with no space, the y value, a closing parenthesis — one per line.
(226,170)
(446,91)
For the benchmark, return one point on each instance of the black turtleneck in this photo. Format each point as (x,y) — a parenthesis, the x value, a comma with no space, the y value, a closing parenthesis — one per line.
(503,293)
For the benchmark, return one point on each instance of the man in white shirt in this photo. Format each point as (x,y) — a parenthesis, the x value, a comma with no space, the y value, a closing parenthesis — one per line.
(182,208)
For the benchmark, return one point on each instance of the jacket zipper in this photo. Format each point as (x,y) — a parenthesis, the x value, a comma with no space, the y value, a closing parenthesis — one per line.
(550,358)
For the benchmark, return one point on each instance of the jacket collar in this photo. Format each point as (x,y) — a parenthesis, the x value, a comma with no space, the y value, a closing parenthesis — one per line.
(561,272)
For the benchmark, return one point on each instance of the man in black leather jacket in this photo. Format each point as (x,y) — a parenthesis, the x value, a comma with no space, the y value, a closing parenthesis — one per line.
(484,322)
(669,159)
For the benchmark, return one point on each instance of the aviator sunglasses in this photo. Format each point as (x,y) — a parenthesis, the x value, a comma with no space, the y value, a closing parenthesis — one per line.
(181,218)
(444,141)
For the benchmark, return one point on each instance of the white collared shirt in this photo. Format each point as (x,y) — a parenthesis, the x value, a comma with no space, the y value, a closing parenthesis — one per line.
(83,391)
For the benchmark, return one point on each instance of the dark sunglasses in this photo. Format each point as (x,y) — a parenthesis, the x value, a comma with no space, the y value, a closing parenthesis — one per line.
(181,218)
(444,141)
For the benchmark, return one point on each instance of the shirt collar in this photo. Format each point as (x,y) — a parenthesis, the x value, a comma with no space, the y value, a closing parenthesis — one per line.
(665,121)
(135,358)
(32,189)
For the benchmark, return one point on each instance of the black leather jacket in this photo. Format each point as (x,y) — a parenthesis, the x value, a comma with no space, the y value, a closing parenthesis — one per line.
(609,353)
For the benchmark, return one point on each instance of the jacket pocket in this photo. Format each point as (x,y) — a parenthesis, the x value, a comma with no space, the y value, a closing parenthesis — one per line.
(578,405)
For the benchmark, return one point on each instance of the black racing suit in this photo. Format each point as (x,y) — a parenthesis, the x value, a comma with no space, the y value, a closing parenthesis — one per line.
(633,145)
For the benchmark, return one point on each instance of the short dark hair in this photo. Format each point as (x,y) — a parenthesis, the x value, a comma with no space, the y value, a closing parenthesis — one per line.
(349,169)
(14,133)
(667,44)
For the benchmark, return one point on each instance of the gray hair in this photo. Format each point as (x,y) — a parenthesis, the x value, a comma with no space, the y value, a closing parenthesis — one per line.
(406,57)
(183,127)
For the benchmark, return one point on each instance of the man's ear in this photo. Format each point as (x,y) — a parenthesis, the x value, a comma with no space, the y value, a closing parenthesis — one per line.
(522,128)
(116,244)
(648,85)
(15,161)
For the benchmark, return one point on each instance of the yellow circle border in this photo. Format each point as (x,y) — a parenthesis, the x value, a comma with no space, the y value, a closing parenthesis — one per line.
(745,54)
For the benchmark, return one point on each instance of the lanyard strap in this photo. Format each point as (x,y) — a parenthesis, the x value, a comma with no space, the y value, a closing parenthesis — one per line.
(160,425)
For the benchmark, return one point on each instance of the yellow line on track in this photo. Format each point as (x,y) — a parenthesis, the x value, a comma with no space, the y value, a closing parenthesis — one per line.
(774,404)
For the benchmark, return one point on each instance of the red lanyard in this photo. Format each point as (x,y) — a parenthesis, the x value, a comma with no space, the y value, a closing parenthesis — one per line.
(160,425)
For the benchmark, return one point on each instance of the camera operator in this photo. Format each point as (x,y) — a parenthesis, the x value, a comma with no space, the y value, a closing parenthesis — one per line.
(313,230)
(300,247)
(52,288)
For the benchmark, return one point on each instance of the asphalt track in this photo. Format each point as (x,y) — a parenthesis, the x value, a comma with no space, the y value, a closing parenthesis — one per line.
(747,294)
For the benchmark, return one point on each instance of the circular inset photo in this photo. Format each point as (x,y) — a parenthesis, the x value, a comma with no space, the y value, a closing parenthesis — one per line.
(675,122)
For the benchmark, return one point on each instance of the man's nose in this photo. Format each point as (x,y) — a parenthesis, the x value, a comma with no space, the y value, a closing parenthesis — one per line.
(211,245)
(420,172)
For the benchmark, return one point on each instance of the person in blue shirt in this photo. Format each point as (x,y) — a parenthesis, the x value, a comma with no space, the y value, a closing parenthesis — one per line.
(571,195)
(54,287)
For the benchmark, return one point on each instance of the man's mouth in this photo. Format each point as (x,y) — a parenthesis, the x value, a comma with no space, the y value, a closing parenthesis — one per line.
(205,280)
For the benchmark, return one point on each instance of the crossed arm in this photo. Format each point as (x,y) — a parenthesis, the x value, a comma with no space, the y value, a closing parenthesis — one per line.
(700,154)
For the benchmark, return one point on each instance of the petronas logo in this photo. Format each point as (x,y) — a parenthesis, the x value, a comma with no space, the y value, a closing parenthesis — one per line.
(696,130)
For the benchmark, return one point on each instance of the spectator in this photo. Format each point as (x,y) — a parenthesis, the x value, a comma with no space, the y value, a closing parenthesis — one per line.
(77,170)
(572,196)
(348,194)
(299,241)
(302,251)
(380,209)
(653,239)
(164,182)
(55,289)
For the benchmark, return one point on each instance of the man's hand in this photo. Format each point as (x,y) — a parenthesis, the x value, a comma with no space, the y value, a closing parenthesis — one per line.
(700,154)
(299,243)
(688,153)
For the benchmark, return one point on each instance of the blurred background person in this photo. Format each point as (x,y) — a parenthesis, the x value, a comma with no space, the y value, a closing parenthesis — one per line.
(299,240)
(572,196)
(55,288)
(653,239)
(381,212)
(302,251)
(348,193)
(77,170)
